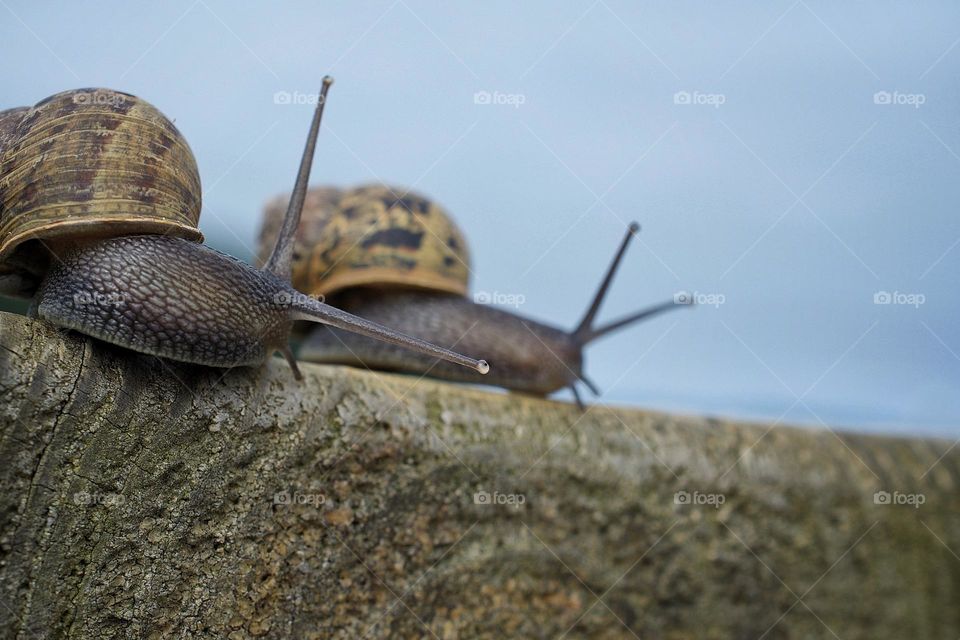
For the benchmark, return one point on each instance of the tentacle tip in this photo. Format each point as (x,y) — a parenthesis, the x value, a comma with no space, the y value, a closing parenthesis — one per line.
(327,80)
(634,227)
(482,367)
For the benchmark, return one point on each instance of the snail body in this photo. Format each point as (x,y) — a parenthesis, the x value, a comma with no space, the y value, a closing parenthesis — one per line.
(106,190)
(230,316)
(348,236)
(525,356)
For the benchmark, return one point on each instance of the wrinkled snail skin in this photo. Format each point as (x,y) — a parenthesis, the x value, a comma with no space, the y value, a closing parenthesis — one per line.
(168,297)
(524,356)
(185,301)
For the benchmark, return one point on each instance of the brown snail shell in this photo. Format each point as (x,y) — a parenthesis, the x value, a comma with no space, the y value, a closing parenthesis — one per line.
(94,163)
(372,235)
(9,119)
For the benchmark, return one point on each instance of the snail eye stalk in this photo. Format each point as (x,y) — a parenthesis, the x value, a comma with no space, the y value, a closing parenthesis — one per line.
(280,258)
(585,331)
(308,309)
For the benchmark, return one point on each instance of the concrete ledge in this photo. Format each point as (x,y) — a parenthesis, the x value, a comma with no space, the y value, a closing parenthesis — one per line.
(142,499)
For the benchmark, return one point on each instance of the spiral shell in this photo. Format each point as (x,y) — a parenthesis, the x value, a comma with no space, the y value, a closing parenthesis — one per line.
(371,235)
(94,163)
(9,120)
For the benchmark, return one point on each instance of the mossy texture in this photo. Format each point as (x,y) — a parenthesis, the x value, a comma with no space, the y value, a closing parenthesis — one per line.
(143,498)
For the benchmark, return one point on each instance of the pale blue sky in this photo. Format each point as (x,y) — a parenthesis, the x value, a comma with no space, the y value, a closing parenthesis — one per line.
(786,189)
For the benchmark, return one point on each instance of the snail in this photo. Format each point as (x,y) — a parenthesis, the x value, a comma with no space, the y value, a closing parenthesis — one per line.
(17,275)
(402,261)
(99,202)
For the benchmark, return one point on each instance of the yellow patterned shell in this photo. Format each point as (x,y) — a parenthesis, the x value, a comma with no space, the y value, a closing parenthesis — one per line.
(94,163)
(371,235)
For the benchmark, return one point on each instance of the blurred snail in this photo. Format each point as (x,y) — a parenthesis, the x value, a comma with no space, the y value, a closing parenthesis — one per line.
(401,261)
(99,203)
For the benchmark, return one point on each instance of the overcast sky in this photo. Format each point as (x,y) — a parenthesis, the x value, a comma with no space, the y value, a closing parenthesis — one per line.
(791,163)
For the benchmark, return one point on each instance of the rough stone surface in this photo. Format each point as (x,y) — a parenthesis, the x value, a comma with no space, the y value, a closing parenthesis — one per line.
(148,499)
